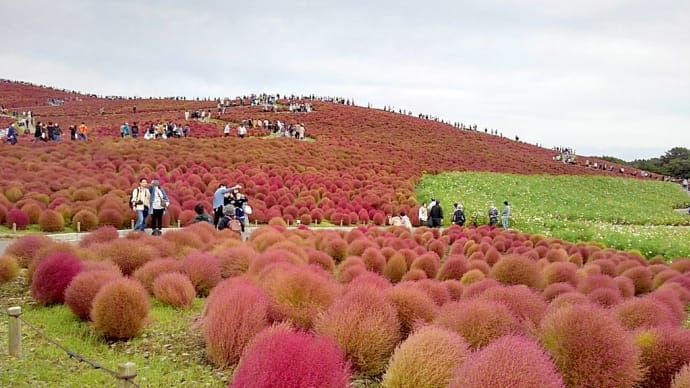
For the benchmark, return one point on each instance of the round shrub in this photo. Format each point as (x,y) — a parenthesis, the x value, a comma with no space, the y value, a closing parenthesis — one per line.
(414,307)
(17,217)
(148,272)
(645,313)
(478,321)
(595,281)
(453,268)
(235,312)
(682,378)
(300,295)
(235,261)
(455,289)
(364,324)
(373,260)
(510,361)
(86,219)
(567,299)
(33,210)
(52,276)
(128,254)
(111,217)
(414,275)
(426,359)
(477,288)
(665,351)
(560,272)
(281,357)
(641,277)
(472,276)
(203,269)
(83,288)
(590,348)
(428,263)
(554,289)
(100,235)
(395,268)
(9,268)
(516,270)
(51,221)
(605,297)
(526,305)
(120,309)
(175,289)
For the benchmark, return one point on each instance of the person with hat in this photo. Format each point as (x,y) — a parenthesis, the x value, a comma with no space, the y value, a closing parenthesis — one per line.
(228,215)
(159,202)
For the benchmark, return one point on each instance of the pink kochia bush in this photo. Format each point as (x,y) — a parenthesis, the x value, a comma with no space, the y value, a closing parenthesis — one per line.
(52,276)
(203,269)
(175,289)
(590,348)
(84,287)
(235,312)
(281,357)
(664,352)
(365,324)
(120,309)
(508,362)
(426,359)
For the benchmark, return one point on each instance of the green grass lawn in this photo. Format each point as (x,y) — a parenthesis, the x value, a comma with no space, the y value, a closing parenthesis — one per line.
(619,212)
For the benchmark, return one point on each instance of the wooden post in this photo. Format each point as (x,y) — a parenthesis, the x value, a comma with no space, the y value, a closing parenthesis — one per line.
(132,223)
(179,224)
(126,372)
(14,227)
(15,335)
(78,227)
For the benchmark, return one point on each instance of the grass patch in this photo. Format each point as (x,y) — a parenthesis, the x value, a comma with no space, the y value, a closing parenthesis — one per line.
(619,212)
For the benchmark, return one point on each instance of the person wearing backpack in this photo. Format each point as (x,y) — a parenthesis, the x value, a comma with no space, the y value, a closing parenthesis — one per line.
(493,214)
(458,214)
(159,202)
(140,201)
(436,215)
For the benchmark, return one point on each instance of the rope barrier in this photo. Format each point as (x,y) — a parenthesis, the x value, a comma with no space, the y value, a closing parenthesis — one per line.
(77,356)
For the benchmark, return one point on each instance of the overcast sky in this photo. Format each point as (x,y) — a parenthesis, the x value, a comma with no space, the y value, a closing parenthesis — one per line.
(604,77)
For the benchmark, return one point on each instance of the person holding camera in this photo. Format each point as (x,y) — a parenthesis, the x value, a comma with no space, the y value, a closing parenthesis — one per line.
(139,201)
(219,197)
(159,202)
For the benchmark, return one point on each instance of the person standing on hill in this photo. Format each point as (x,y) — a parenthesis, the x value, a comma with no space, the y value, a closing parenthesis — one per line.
(219,201)
(436,215)
(493,214)
(159,202)
(83,131)
(505,216)
(140,202)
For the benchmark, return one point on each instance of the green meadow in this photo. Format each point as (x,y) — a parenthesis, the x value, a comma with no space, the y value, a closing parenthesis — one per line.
(628,214)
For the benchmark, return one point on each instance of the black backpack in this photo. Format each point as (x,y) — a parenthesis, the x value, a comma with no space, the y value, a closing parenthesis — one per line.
(459,217)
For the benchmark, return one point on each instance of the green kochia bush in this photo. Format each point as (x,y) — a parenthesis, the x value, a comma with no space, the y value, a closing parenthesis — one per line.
(590,348)
(281,357)
(365,324)
(426,359)
(508,362)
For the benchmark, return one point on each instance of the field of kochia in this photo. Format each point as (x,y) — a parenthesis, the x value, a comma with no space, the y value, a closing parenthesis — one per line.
(621,213)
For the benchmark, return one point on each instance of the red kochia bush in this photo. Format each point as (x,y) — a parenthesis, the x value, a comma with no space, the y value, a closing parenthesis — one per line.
(52,276)
(128,254)
(120,309)
(414,306)
(645,313)
(148,272)
(235,261)
(174,289)
(203,269)
(526,305)
(365,325)
(82,290)
(664,352)
(281,357)
(87,220)
(453,268)
(235,312)
(478,321)
(100,235)
(510,361)
(590,348)
(426,359)
(18,217)
(516,270)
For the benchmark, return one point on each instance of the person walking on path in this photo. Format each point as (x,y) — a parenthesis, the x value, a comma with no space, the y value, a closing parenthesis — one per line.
(436,215)
(140,201)
(505,216)
(159,202)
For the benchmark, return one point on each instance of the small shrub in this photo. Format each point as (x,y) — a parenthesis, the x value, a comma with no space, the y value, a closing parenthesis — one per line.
(17,217)
(9,268)
(428,263)
(568,299)
(235,312)
(595,281)
(641,277)
(516,270)
(526,305)
(414,307)
(664,353)
(120,309)
(560,272)
(636,313)
(605,297)
(52,276)
(426,359)
(373,260)
(365,325)
(148,272)
(395,268)
(86,219)
(110,217)
(554,289)
(510,361)
(453,268)
(590,348)
(472,276)
(51,221)
(281,357)
(235,261)
(414,275)
(477,288)
(101,235)
(175,289)
(128,254)
(203,269)
(83,288)
(478,321)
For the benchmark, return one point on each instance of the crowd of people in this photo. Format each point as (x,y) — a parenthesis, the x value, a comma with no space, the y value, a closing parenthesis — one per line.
(158,130)
(431,215)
